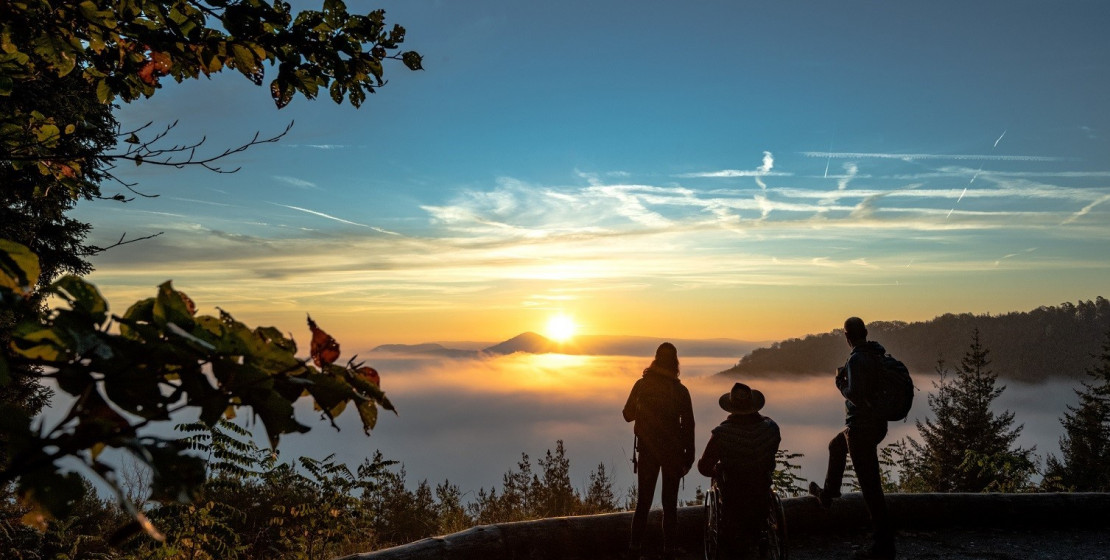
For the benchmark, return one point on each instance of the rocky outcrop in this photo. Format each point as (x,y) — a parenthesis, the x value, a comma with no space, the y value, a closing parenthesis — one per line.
(606,536)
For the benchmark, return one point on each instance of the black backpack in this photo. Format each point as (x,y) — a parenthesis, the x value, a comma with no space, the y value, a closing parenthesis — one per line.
(892,391)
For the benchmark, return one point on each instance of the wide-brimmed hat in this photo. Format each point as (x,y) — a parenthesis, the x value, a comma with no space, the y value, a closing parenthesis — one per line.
(742,400)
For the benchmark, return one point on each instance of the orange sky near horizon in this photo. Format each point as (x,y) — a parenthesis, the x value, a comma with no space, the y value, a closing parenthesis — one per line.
(750,313)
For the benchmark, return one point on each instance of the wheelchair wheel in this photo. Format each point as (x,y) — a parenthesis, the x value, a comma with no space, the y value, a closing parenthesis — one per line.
(712,536)
(775,533)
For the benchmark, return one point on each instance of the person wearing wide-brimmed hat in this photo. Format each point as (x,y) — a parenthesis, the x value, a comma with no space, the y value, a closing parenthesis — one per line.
(740,456)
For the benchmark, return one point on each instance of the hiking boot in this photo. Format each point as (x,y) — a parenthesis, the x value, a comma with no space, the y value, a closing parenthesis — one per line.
(824,499)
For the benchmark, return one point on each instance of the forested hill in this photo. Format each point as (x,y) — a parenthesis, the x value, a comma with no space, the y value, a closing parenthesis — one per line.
(1027,346)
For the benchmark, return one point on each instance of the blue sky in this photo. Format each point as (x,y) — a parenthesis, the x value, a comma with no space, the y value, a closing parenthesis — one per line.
(709,169)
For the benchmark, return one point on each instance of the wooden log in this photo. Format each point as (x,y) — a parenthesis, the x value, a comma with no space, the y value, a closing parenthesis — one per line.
(606,536)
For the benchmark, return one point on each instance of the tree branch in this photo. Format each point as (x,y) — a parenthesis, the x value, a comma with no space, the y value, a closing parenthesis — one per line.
(94,250)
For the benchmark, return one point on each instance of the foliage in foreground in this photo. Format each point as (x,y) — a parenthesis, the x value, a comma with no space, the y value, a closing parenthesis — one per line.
(253,507)
(127,372)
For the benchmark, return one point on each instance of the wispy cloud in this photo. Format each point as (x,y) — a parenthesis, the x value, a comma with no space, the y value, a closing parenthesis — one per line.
(319,146)
(299,183)
(764,170)
(196,201)
(850,172)
(515,244)
(1012,255)
(1085,210)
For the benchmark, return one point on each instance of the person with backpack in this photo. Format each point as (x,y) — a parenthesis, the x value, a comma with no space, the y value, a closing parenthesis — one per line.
(664,429)
(740,458)
(861,381)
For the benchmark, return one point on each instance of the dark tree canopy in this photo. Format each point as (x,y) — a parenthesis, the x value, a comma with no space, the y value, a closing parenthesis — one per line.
(1050,341)
(63,68)
(64,64)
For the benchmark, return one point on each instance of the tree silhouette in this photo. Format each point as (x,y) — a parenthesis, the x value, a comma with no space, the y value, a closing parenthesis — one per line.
(1084,465)
(966,447)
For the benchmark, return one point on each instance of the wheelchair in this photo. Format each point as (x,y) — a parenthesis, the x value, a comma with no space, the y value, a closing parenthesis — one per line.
(772,543)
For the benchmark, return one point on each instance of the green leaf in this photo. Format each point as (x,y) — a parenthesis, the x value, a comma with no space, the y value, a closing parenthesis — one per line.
(84,297)
(172,306)
(36,343)
(103,93)
(19,267)
(244,59)
(141,311)
(6,84)
(276,414)
(368,412)
(328,391)
(413,60)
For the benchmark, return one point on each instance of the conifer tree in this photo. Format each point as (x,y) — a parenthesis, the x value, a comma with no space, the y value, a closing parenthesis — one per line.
(599,495)
(1085,446)
(967,447)
(556,497)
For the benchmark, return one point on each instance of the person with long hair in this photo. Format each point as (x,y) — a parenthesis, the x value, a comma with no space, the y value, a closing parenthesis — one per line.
(660,406)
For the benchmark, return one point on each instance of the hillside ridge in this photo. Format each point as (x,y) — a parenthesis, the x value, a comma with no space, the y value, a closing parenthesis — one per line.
(1031,346)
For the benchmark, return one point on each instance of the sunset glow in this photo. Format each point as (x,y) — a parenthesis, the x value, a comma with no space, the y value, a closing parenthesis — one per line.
(414,219)
(561,328)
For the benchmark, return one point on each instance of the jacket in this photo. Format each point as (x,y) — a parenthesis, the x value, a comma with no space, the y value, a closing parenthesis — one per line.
(855,381)
(660,406)
(745,446)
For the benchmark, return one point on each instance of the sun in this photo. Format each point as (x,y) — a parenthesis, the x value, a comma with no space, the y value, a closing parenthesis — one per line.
(561,328)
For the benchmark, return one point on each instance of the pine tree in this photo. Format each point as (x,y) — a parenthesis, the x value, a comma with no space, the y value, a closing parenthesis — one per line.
(599,496)
(967,447)
(450,510)
(556,495)
(1085,445)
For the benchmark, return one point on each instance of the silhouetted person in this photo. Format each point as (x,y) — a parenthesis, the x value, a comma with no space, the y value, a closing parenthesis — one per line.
(740,456)
(660,406)
(863,431)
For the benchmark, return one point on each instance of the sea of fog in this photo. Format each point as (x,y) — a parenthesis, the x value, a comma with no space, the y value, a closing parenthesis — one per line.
(469,420)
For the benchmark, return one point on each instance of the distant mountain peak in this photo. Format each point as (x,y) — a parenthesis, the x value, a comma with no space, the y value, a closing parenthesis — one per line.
(529,342)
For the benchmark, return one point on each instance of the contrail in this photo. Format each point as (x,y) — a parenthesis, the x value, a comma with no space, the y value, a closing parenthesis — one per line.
(913,157)
(976,175)
(330,217)
(1085,210)
(828,161)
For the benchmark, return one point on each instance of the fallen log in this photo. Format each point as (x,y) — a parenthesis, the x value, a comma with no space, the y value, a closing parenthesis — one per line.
(606,535)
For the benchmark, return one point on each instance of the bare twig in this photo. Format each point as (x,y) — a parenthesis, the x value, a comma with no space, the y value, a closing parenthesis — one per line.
(94,250)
